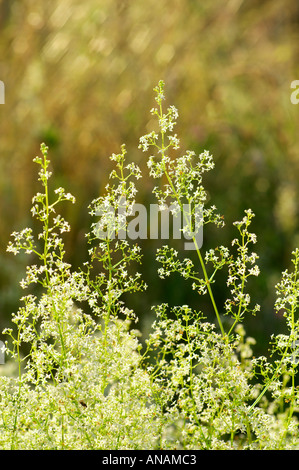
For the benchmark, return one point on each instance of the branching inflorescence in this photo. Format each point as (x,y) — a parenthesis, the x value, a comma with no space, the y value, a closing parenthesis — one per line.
(80,377)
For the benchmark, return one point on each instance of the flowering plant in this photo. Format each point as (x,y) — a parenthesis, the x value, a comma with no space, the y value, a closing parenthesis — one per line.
(77,375)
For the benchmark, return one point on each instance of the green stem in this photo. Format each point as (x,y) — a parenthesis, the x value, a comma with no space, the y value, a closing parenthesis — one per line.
(19,394)
(206,277)
(275,374)
(45,256)
(209,287)
(238,316)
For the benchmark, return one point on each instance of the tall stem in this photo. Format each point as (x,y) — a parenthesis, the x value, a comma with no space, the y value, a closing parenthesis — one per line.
(206,277)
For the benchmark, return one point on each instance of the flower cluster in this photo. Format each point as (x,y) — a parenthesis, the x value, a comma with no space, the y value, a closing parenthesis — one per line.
(240,269)
(167,257)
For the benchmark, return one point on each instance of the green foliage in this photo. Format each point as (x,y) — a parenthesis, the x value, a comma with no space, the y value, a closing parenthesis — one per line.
(77,375)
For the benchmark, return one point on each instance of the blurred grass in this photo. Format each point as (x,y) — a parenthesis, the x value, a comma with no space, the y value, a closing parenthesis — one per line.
(79,76)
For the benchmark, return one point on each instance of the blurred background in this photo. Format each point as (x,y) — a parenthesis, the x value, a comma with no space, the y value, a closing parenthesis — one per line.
(79,76)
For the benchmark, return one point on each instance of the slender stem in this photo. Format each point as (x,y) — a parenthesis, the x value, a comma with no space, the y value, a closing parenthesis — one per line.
(283,356)
(238,316)
(46,250)
(209,287)
(291,408)
(207,280)
(206,277)
(271,379)
(19,393)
